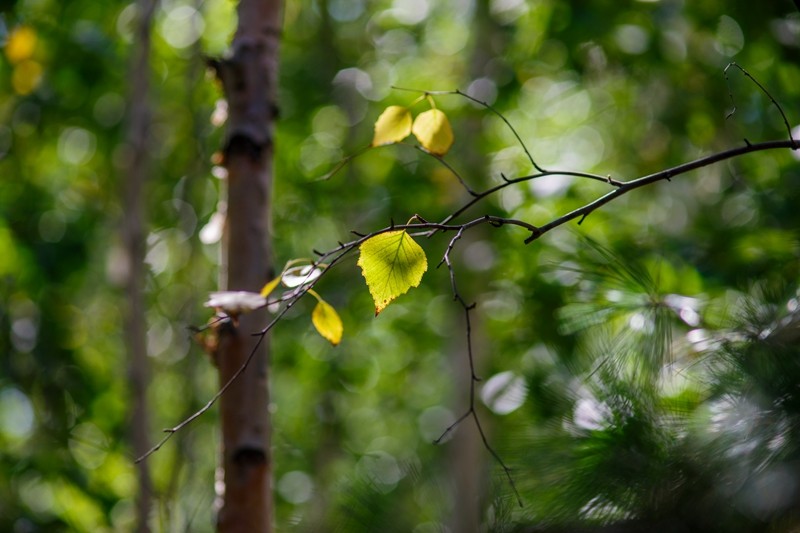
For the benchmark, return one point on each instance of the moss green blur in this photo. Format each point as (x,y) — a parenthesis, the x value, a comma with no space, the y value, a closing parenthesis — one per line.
(639,367)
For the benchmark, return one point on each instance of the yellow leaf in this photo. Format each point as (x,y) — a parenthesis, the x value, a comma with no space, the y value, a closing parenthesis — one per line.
(327,321)
(269,287)
(26,77)
(392,126)
(391,264)
(21,44)
(432,130)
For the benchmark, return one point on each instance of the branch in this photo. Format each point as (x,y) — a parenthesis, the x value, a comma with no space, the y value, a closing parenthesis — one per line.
(343,249)
(670,173)
(620,188)
(171,431)
(509,182)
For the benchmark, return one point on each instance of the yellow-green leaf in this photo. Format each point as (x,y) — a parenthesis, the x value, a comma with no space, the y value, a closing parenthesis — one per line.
(269,287)
(432,130)
(392,126)
(391,264)
(327,321)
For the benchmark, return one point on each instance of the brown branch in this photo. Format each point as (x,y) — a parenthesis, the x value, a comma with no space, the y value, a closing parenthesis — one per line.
(344,248)
(171,431)
(536,231)
(668,174)
(513,181)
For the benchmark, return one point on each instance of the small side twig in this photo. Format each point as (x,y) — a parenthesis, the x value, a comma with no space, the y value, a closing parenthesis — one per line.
(197,414)
(763,89)
(471,411)
(449,167)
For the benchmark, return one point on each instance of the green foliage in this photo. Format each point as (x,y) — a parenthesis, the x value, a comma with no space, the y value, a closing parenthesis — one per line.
(659,365)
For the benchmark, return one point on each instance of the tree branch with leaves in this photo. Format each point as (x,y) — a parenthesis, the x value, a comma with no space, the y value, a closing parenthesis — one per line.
(392,261)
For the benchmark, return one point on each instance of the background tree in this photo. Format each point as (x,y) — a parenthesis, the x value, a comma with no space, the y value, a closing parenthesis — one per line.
(133,237)
(624,90)
(249,79)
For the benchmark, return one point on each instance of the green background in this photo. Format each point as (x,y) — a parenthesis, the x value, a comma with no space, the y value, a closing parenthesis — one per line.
(649,355)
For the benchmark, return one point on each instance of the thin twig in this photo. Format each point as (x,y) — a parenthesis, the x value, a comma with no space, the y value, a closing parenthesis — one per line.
(446,257)
(343,163)
(763,89)
(173,430)
(451,427)
(450,168)
(504,119)
(505,468)
(473,377)
(507,182)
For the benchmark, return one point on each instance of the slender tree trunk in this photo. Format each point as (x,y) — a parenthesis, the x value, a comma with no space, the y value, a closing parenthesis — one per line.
(133,230)
(467,460)
(468,464)
(249,78)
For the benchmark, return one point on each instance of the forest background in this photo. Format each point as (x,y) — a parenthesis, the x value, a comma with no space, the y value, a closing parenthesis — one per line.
(640,367)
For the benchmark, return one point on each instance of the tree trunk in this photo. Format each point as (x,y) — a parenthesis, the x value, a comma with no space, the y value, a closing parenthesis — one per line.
(249,78)
(133,234)
(467,456)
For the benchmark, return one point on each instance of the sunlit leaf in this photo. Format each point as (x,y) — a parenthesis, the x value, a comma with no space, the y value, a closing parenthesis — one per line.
(392,126)
(391,264)
(327,321)
(433,131)
(269,287)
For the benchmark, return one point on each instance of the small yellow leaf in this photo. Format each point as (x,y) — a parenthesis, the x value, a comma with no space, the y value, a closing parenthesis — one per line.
(392,126)
(433,131)
(391,264)
(21,44)
(327,321)
(269,287)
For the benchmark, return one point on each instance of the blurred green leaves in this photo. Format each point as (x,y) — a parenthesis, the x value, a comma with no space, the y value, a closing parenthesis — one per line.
(656,382)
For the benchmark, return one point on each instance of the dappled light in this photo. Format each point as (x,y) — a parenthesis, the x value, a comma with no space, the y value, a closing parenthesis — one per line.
(520,266)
